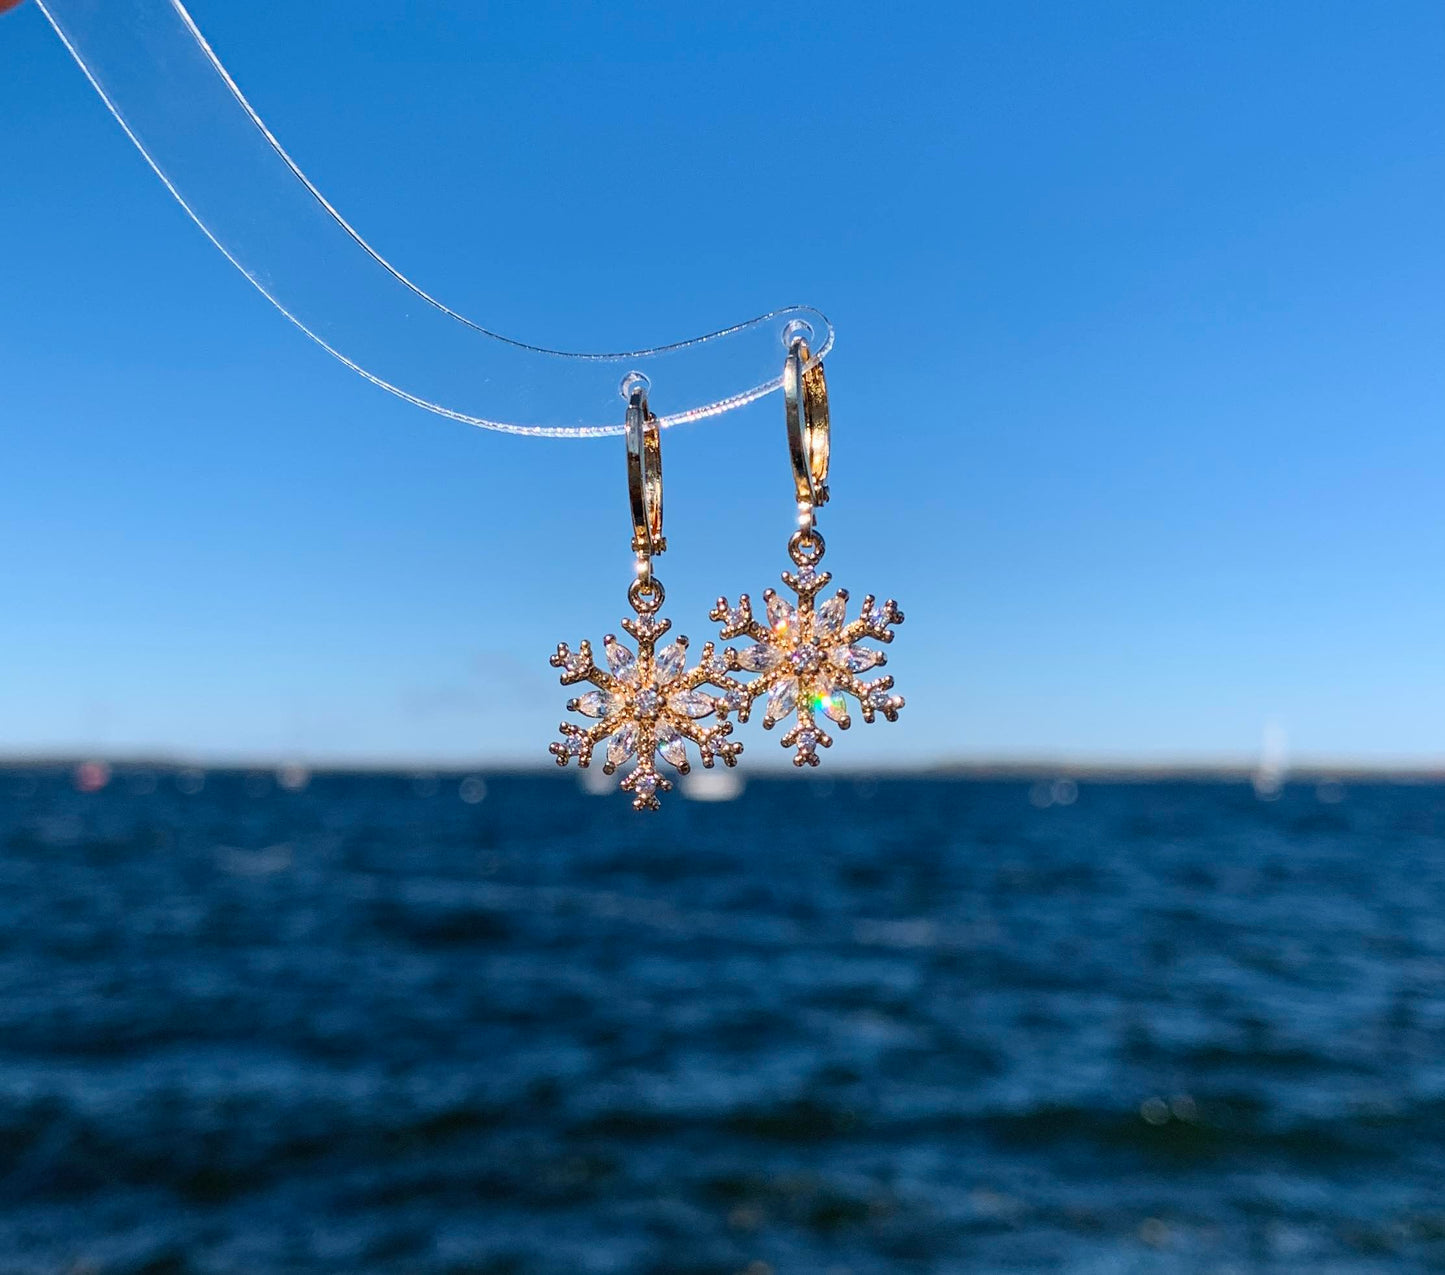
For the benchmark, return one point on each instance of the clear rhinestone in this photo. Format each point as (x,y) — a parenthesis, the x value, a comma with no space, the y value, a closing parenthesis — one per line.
(880,698)
(830,701)
(648,701)
(672,745)
(619,658)
(806,657)
(830,615)
(781,616)
(622,745)
(690,703)
(574,745)
(734,700)
(670,661)
(594,704)
(806,578)
(782,699)
(757,658)
(575,664)
(646,784)
(807,741)
(738,618)
(856,659)
(881,613)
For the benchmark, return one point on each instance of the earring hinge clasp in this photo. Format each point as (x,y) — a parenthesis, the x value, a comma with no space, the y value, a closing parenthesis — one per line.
(805,397)
(644,481)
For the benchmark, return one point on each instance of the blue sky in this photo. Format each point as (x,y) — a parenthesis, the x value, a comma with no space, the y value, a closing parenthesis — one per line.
(1138,388)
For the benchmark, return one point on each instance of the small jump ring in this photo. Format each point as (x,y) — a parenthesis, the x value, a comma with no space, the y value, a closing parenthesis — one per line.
(646,595)
(644,479)
(805,398)
(805,547)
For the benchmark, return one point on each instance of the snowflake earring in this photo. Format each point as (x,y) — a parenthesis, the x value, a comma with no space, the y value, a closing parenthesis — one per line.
(807,659)
(646,704)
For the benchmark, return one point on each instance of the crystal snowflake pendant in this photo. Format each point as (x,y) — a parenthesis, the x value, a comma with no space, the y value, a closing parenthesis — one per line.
(646,704)
(807,656)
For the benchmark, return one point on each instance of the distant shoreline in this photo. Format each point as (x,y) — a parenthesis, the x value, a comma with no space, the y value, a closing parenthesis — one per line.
(1306,771)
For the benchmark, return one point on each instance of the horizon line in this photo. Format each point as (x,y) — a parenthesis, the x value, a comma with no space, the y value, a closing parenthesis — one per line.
(1305,769)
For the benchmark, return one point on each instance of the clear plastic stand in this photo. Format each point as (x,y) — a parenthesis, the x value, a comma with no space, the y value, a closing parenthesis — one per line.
(178,104)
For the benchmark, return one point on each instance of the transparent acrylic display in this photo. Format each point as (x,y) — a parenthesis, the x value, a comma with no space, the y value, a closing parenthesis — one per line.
(176,101)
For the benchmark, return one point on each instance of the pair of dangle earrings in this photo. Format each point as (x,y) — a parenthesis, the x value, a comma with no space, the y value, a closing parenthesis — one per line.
(805,659)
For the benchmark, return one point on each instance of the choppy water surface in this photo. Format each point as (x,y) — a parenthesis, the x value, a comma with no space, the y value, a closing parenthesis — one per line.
(831,1027)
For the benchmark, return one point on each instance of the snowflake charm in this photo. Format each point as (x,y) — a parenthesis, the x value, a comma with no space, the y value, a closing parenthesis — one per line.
(646,703)
(808,660)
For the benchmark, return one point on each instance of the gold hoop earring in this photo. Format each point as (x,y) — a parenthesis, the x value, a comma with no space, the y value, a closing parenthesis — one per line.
(807,657)
(646,704)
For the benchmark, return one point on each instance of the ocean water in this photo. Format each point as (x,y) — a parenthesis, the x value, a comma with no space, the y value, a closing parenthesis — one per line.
(398,1024)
